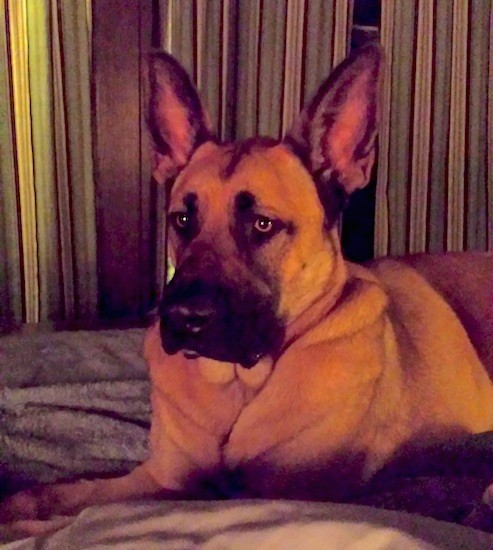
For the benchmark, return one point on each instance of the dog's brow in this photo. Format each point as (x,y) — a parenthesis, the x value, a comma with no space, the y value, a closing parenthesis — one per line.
(244,200)
(190,201)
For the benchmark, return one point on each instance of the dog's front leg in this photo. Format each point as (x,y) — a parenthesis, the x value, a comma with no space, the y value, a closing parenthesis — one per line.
(46,501)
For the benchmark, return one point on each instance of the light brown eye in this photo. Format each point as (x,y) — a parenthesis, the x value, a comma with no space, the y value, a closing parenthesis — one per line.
(263,224)
(181,220)
(184,224)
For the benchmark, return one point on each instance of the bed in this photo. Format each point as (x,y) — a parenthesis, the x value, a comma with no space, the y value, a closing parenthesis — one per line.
(76,404)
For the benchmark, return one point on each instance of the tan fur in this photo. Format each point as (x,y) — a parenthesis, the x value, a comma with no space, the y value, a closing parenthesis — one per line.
(375,363)
(466,283)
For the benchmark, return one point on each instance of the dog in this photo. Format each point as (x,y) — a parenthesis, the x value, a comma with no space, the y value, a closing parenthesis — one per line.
(278,369)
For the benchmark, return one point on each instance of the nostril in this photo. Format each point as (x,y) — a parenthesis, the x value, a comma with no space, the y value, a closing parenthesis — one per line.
(195,323)
(192,319)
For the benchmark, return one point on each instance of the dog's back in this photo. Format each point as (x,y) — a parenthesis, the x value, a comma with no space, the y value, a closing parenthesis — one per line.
(465,281)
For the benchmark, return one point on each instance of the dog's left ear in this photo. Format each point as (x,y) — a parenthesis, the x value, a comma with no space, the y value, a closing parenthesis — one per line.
(177,121)
(336,132)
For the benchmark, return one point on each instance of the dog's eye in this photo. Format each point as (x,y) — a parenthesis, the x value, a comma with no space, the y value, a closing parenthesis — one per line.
(180,220)
(184,223)
(263,225)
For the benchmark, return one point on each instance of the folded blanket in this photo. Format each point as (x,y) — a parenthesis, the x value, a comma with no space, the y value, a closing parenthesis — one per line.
(48,358)
(62,431)
(73,403)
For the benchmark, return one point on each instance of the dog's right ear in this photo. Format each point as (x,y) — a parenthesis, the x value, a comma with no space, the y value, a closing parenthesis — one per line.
(177,121)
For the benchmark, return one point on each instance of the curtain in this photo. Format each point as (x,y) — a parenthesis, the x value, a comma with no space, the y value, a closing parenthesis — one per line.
(47,212)
(435,165)
(255,62)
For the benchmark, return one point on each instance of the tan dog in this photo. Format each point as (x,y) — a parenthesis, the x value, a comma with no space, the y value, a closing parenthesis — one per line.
(278,369)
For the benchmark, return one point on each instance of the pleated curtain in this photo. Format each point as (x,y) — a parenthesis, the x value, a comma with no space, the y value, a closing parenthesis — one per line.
(256,61)
(435,165)
(47,213)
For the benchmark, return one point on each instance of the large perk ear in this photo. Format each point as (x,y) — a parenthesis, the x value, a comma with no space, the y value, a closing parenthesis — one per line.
(336,131)
(177,121)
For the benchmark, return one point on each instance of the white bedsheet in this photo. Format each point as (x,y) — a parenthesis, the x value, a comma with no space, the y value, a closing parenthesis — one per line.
(248,524)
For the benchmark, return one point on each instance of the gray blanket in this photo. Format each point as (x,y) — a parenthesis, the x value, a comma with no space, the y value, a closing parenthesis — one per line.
(72,404)
(69,430)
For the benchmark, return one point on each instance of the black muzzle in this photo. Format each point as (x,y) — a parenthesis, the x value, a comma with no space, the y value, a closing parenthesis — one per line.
(224,322)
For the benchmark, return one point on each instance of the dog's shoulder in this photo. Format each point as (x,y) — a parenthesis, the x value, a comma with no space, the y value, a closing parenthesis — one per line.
(462,281)
(414,302)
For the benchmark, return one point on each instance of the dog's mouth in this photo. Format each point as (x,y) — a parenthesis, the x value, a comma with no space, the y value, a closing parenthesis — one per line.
(214,349)
(247,362)
(202,320)
(191,354)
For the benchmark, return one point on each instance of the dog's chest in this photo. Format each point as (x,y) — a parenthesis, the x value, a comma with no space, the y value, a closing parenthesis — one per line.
(285,437)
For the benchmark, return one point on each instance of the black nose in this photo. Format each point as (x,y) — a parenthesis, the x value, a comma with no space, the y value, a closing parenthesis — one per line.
(190,318)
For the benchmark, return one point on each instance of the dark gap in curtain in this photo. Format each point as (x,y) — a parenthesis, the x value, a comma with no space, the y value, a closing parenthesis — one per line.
(149,35)
(432,132)
(358,222)
(446,194)
(118,158)
(259,61)
(232,89)
(367,13)
(475,172)
(195,47)
(220,76)
(440,125)
(410,140)
(13,310)
(467,181)
(156,24)
(73,274)
(304,50)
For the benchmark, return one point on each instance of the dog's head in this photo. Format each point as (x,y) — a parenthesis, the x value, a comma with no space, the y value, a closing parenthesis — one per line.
(252,224)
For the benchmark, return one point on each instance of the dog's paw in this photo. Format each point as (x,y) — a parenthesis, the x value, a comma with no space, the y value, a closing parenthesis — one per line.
(45,501)
(22,505)
(488,497)
(32,528)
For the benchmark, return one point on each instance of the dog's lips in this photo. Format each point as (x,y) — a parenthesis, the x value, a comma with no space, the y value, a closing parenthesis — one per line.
(195,349)
(247,362)
(238,340)
(191,354)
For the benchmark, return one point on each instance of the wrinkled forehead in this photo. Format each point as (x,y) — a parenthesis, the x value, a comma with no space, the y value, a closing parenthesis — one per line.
(267,169)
